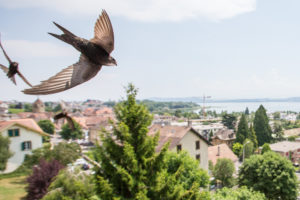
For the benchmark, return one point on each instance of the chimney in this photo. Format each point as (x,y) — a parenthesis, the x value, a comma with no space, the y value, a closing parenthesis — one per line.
(218,153)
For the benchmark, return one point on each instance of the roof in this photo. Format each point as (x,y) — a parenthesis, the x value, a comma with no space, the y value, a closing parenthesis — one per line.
(225,134)
(174,134)
(285,146)
(25,123)
(292,132)
(224,152)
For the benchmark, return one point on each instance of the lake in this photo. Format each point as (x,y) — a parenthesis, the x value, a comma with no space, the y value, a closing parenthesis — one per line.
(253,106)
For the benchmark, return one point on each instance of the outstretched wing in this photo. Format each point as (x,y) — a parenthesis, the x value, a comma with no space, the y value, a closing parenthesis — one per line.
(59,116)
(24,79)
(69,77)
(5,69)
(5,54)
(104,34)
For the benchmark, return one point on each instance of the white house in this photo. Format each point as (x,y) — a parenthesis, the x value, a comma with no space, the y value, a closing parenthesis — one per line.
(25,135)
(183,138)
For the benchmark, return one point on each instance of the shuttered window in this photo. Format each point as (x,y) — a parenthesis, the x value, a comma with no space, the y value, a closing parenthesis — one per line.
(13,132)
(26,145)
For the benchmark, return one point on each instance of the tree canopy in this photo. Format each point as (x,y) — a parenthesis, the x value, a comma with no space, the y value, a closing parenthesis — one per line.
(242,193)
(67,133)
(270,174)
(5,153)
(223,171)
(243,130)
(47,126)
(130,167)
(229,120)
(261,126)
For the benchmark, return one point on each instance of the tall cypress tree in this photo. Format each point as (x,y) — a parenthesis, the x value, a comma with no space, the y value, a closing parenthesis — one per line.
(243,130)
(130,168)
(261,126)
(253,137)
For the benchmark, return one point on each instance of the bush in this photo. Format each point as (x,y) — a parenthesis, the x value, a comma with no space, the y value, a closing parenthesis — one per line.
(242,193)
(41,178)
(71,186)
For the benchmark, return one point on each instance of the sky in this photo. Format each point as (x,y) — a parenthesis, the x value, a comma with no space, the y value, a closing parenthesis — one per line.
(167,48)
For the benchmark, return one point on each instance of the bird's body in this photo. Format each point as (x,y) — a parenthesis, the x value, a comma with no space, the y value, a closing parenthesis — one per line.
(94,54)
(13,69)
(64,115)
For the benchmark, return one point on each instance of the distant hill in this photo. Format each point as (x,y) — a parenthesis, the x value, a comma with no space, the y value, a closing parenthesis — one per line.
(200,99)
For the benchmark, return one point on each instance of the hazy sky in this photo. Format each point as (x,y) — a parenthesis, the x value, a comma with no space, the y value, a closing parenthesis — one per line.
(167,48)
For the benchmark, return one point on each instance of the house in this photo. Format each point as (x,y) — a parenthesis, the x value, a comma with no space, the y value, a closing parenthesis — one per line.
(290,150)
(38,106)
(25,135)
(291,132)
(183,138)
(223,136)
(221,151)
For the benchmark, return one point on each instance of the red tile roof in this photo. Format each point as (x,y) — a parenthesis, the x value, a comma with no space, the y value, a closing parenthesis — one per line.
(224,152)
(26,123)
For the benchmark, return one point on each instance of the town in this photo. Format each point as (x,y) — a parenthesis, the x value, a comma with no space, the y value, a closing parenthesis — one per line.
(219,143)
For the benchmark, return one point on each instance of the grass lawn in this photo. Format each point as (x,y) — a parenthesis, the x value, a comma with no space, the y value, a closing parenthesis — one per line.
(12,188)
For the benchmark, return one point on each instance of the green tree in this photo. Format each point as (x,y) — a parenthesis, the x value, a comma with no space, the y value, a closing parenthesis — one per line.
(242,193)
(223,171)
(265,148)
(190,172)
(47,126)
(67,133)
(237,149)
(270,174)
(28,107)
(248,148)
(5,153)
(73,185)
(130,167)
(276,115)
(229,120)
(253,137)
(243,130)
(247,111)
(261,126)
(278,132)
(178,113)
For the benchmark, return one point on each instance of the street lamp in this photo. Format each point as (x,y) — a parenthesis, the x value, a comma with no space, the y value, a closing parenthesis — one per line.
(244,149)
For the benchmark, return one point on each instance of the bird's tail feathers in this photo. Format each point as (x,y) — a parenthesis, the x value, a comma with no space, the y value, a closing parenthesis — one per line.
(67,37)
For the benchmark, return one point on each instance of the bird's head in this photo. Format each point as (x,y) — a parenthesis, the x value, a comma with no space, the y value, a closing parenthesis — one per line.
(111,61)
(14,65)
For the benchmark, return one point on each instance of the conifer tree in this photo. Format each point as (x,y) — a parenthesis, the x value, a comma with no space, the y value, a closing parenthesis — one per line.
(261,126)
(243,130)
(130,168)
(253,137)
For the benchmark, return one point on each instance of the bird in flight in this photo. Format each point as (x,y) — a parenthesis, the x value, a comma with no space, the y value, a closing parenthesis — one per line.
(13,69)
(64,114)
(94,53)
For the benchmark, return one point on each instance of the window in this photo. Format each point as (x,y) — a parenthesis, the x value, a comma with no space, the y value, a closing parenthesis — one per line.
(13,132)
(198,157)
(198,144)
(26,145)
(179,147)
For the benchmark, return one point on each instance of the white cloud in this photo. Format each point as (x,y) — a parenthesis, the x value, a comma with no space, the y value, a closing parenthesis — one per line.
(144,10)
(31,49)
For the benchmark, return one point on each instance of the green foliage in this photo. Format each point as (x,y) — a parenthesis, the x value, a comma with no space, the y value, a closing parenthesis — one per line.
(278,132)
(248,148)
(57,108)
(247,111)
(190,172)
(276,115)
(265,148)
(229,120)
(292,138)
(270,174)
(286,124)
(63,152)
(71,186)
(237,149)
(67,133)
(243,130)
(242,193)
(47,126)
(253,137)
(223,171)
(130,168)
(5,153)
(261,126)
